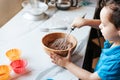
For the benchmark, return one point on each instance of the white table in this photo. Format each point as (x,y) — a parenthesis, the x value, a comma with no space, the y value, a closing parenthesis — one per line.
(26,35)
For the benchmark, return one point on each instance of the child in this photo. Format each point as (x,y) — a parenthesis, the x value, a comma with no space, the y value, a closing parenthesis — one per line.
(108,66)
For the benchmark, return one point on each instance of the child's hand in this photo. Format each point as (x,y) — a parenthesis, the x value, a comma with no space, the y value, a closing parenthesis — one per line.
(78,22)
(59,60)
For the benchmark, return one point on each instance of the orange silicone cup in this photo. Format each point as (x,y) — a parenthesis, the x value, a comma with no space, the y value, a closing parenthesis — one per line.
(4,72)
(13,54)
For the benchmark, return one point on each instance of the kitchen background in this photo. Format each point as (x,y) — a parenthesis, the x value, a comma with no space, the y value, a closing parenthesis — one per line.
(8,8)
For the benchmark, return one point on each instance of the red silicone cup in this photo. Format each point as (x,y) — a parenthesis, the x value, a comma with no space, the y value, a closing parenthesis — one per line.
(19,66)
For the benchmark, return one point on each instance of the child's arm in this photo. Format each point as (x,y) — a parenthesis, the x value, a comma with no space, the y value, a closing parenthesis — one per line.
(79,22)
(81,73)
(77,71)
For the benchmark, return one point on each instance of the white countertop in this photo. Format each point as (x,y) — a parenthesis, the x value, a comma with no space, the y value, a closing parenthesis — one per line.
(26,35)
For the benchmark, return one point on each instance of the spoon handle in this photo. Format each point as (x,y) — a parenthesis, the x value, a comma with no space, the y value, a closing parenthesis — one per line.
(60,28)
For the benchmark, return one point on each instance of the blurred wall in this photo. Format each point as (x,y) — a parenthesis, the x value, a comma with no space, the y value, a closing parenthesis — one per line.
(8,8)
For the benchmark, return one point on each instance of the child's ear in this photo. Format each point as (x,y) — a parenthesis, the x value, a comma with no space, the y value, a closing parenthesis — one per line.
(119,31)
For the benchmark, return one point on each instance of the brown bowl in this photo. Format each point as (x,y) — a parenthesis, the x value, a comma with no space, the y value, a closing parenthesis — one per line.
(51,37)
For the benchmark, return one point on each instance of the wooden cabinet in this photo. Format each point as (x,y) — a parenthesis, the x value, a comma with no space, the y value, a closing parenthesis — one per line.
(8,8)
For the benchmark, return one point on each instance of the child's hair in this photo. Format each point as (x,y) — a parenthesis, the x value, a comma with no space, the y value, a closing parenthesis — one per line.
(114,5)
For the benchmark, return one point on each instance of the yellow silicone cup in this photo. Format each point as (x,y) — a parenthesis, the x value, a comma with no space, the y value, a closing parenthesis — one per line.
(13,54)
(4,72)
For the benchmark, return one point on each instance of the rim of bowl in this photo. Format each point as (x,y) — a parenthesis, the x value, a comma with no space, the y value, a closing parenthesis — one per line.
(74,45)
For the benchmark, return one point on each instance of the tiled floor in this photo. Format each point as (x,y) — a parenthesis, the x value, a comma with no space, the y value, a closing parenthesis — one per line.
(95,59)
(93,50)
(97,44)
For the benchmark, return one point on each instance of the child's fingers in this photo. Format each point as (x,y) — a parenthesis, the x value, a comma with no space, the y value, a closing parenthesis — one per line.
(54,56)
(69,53)
(51,55)
(53,61)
